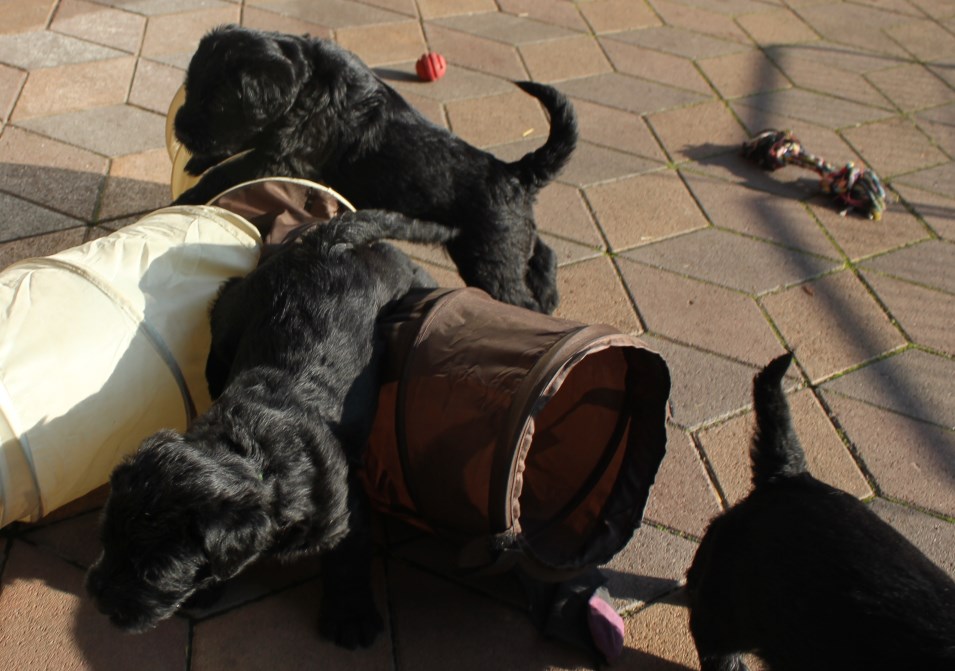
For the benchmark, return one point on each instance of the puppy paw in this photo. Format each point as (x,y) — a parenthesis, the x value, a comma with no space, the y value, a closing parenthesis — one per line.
(350,621)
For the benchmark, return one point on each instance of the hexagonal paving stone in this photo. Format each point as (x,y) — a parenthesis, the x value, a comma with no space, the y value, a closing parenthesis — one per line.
(160,7)
(282,630)
(727,449)
(560,210)
(47,622)
(628,93)
(76,539)
(731,260)
(444,626)
(385,43)
(924,314)
(931,263)
(658,637)
(78,86)
(705,387)
(11,82)
(832,324)
(939,124)
(476,53)
(894,147)
(591,164)
(829,79)
(927,40)
(31,51)
(559,13)
(110,131)
(431,9)
(860,237)
(709,18)
(910,460)
(260,19)
(913,383)
(940,180)
(494,120)
(830,21)
(639,210)
(458,83)
(504,28)
(615,15)
(616,129)
(59,176)
(813,107)
(911,87)
(934,537)
(22,219)
(687,133)
(154,85)
(782,220)
(173,38)
(93,22)
(937,211)
(40,245)
(580,282)
(743,74)
(25,15)
(632,59)
(779,27)
(652,564)
(136,183)
(701,315)
(680,42)
(564,58)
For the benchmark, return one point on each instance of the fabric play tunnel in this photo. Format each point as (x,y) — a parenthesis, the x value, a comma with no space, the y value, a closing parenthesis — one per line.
(106,343)
(529,439)
(102,345)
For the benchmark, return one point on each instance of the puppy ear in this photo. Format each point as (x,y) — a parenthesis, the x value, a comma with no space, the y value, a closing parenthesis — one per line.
(270,89)
(235,538)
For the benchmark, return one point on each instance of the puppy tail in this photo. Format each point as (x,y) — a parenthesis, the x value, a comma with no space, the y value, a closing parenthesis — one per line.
(367,226)
(540,166)
(776,452)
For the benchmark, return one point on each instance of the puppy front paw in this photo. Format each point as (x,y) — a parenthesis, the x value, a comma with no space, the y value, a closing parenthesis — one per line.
(351,621)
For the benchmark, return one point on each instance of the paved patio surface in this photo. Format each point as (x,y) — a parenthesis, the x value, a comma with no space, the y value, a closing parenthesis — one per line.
(661,228)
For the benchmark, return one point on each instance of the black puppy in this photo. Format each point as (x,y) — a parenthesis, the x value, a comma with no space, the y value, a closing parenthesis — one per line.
(268,469)
(305,107)
(807,577)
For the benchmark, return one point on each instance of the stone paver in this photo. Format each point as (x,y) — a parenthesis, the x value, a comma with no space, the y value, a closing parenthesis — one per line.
(727,448)
(659,227)
(832,324)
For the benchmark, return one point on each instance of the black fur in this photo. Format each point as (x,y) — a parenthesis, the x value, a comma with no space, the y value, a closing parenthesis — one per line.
(807,577)
(305,107)
(268,469)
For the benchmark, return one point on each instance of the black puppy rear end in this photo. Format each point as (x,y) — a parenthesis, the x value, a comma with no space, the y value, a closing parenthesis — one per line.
(807,577)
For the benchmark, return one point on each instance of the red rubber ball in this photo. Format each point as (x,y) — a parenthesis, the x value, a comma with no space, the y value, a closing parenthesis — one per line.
(431,67)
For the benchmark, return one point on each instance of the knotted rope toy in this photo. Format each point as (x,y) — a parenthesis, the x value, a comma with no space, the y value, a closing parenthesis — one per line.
(855,188)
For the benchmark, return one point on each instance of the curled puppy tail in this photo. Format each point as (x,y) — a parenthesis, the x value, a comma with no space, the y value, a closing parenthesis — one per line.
(776,452)
(537,168)
(366,226)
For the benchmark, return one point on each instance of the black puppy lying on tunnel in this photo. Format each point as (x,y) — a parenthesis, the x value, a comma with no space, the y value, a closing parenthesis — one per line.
(268,470)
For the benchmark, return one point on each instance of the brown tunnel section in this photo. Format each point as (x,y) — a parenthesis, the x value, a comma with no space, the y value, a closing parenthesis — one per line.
(574,459)
(501,424)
